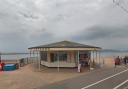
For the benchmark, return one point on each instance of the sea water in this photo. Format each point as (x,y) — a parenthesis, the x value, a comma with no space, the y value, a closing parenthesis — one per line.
(14,56)
(26,55)
(113,54)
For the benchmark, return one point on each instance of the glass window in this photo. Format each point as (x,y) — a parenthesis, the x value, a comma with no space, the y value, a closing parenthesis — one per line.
(43,56)
(62,56)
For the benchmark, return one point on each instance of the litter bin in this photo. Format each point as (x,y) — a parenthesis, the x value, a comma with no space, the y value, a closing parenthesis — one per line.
(9,67)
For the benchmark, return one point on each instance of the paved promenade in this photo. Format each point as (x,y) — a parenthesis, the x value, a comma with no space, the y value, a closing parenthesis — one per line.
(112,78)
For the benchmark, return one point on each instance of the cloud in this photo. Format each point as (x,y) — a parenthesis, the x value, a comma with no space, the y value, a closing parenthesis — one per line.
(103,32)
(36,22)
(104,36)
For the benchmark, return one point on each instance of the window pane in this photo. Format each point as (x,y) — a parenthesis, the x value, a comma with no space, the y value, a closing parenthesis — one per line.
(43,56)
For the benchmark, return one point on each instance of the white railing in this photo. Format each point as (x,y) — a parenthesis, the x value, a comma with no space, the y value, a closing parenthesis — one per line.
(56,64)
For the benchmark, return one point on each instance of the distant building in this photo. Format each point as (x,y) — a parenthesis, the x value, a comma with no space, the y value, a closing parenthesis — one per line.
(66,54)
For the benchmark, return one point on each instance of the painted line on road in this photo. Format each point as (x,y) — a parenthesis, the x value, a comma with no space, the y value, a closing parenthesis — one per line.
(120,84)
(104,79)
(126,87)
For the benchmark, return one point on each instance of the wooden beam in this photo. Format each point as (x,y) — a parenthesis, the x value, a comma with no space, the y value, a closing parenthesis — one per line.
(64,49)
(72,49)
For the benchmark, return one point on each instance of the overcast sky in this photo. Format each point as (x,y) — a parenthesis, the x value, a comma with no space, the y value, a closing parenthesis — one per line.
(26,23)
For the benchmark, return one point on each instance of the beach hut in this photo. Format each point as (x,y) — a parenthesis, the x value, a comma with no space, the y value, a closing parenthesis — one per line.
(66,54)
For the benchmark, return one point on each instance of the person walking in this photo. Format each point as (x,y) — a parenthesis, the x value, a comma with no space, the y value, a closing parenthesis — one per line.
(117,61)
(125,60)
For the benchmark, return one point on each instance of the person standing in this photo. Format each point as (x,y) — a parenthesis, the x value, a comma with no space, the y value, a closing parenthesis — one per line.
(79,68)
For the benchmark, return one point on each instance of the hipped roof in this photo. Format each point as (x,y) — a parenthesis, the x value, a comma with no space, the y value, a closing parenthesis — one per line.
(65,44)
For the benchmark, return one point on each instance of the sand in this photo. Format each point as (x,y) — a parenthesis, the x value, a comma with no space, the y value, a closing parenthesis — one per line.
(29,77)
(108,61)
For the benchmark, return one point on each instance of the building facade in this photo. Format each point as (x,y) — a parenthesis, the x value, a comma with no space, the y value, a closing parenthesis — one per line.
(66,54)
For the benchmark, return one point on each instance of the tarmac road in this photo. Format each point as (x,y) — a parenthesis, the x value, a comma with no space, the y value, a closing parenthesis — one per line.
(112,78)
(123,85)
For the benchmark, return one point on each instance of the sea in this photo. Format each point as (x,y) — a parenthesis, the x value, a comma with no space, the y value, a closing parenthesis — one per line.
(114,54)
(26,55)
(15,56)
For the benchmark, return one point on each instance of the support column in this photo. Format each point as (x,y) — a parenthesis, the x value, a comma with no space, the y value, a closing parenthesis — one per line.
(69,57)
(58,59)
(48,57)
(72,57)
(38,53)
(93,62)
(30,57)
(33,57)
(99,60)
(96,58)
(78,59)
(90,61)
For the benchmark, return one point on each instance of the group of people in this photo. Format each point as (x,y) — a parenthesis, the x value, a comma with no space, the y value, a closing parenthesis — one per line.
(119,61)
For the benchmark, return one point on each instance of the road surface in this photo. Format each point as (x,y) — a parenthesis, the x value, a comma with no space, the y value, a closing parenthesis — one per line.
(112,78)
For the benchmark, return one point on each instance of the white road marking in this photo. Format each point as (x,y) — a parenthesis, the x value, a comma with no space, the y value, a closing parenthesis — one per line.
(120,84)
(104,79)
(126,87)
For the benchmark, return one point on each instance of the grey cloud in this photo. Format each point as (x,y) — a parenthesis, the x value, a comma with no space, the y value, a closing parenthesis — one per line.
(12,41)
(18,41)
(103,32)
(25,23)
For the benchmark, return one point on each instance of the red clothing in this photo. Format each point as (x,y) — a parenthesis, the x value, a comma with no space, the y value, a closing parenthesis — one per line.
(117,61)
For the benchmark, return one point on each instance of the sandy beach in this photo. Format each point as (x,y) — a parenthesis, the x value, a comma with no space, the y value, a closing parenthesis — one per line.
(28,77)
(108,61)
